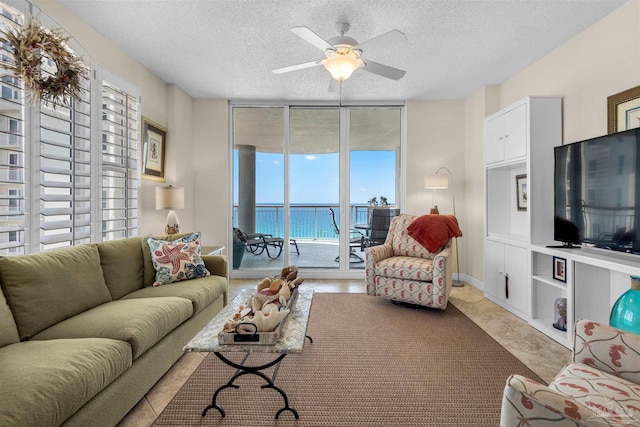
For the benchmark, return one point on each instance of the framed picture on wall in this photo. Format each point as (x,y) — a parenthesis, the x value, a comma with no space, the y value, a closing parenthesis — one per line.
(560,269)
(623,110)
(154,150)
(521,192)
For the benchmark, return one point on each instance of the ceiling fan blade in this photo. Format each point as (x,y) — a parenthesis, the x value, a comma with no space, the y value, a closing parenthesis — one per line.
(382,41)
(334,86)
(296,67)
(312,38)
(383,70)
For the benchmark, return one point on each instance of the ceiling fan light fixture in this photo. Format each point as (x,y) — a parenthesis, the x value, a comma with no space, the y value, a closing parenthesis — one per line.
(342,64)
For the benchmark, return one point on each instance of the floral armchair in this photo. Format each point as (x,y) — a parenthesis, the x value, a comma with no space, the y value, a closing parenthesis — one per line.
(403,270)
(600,386)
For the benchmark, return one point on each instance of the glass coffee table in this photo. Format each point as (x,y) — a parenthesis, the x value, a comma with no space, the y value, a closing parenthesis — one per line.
(292,340)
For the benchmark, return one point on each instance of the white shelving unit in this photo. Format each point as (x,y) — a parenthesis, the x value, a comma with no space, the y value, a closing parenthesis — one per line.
(518,140)
(595,280)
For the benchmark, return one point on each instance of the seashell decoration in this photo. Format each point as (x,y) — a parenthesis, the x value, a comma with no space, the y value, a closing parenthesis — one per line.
(268,321)
(270,304)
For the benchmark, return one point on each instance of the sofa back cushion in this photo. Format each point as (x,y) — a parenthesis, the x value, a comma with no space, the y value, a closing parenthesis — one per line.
(402,243)
(122,265)
(149,270)
(44,289)
(8,328)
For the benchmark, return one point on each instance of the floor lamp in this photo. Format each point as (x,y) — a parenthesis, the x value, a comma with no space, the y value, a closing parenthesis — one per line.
(439,181)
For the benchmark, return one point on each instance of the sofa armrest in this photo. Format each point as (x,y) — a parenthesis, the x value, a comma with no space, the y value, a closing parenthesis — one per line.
(373,255)
(527,402)
(607,349)
(218,265)
(443,270)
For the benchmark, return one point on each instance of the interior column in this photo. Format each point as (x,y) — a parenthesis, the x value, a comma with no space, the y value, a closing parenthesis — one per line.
(247,188)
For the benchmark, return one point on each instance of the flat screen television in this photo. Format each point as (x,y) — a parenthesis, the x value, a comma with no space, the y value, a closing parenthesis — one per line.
(597,192)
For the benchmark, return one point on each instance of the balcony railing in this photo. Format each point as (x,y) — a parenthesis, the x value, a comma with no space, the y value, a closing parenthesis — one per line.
(311,222)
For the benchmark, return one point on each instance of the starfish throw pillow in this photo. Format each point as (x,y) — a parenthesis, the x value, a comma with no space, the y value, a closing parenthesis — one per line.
(177,260)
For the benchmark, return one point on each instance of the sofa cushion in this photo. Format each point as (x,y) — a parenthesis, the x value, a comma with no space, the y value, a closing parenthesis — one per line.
(140,322)
(45,382)
(603,393)
(177,260)
(149,270)
(404,267)
(201,292)
(8,329)
(44,289)
(122,265)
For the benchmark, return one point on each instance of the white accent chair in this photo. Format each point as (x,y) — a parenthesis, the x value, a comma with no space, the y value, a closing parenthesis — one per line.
(403,270)
(600,386)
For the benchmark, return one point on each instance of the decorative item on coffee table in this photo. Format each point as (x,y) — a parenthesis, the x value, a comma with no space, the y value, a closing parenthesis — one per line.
(260,319)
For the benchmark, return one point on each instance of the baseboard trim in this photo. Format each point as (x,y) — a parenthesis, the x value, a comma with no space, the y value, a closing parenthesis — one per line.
(470,280)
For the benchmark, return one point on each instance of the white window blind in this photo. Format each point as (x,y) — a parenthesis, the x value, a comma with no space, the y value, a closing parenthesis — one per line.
(12,148)
(120,154)
(65,173)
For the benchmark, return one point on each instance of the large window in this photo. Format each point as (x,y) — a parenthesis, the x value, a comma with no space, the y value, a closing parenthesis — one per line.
(12,150)
(68,175)
(120,153)
(305,175)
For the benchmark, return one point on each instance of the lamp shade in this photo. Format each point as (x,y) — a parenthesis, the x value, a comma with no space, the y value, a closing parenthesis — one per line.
(436,182)
(169,197)
(342,65)
(625,313)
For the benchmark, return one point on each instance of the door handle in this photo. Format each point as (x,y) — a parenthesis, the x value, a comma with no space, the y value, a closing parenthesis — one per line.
(506,286)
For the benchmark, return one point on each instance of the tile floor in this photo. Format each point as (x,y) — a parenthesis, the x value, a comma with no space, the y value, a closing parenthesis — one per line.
(540,353)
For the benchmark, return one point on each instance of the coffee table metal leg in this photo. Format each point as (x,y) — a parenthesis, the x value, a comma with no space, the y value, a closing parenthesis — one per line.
(255,370)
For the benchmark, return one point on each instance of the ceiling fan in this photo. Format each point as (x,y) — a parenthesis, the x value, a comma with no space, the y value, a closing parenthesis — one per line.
(344,55)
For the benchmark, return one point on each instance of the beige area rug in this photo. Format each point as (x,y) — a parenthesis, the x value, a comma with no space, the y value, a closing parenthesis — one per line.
(371,363)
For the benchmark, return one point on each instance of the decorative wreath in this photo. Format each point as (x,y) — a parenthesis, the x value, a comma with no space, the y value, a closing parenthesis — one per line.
(31,45)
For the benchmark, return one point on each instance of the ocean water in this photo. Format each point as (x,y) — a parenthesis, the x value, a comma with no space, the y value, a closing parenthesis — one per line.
(306,221)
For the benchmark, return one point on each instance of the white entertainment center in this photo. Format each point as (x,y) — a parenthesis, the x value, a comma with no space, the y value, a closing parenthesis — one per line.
(518,267)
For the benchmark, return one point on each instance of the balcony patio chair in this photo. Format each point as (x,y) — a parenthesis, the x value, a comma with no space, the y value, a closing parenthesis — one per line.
(379,224)
(258,243)
(356,239)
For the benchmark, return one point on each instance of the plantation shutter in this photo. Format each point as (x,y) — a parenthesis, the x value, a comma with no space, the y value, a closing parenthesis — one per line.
(65,172)
(12,149)
(120,170)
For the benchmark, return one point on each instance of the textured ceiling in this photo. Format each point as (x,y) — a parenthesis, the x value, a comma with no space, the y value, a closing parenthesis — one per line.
(227,48)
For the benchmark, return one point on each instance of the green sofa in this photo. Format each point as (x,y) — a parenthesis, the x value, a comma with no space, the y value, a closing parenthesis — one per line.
(84,335)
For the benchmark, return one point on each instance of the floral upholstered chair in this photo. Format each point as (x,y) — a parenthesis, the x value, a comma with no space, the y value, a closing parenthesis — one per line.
(600,386)
(404,270)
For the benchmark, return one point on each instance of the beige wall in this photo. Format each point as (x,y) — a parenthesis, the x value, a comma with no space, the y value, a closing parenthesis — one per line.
(601,61)
(211,167)
(477,107)
(435,138)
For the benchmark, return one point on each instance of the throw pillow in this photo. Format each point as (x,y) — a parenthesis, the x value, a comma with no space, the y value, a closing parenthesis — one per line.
(177,260)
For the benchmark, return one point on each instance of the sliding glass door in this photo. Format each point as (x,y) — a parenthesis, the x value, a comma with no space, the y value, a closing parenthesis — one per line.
(314,185)
(304,183)
(374,165)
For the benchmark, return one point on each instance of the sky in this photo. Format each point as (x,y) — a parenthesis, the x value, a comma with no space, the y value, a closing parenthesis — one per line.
(315,177)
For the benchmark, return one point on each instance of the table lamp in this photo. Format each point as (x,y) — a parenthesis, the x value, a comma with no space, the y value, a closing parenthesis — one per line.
(170,198)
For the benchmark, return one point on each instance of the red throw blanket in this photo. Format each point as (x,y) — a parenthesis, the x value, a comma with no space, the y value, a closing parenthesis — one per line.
(433,231)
